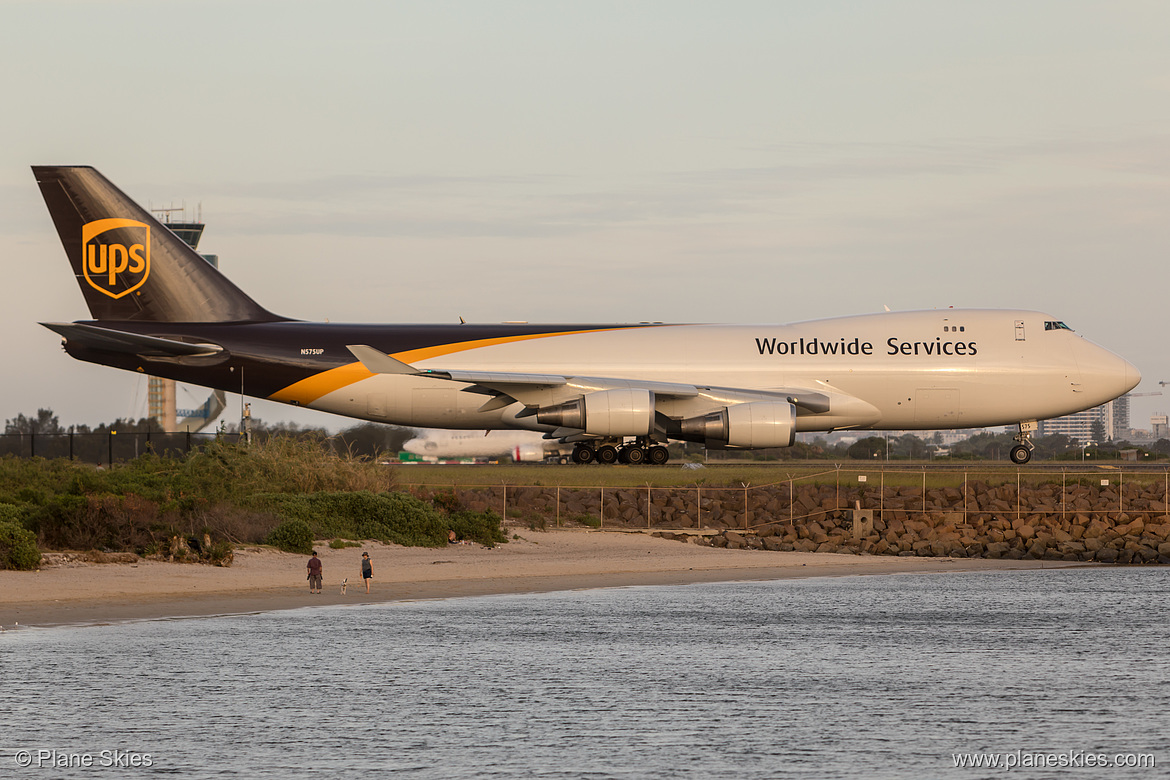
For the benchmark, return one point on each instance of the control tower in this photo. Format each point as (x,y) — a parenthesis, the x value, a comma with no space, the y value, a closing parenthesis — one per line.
(161,392)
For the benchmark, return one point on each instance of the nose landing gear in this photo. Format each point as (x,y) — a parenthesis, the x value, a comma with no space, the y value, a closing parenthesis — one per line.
(1022,452)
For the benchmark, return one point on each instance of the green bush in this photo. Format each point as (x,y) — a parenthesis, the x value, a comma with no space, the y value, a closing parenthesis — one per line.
(387,517)
(233,493)
(391,518)
(481,527)
(18,546)
(292,536)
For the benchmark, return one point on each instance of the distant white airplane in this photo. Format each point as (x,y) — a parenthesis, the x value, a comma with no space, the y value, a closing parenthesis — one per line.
(520,446)
(618,392)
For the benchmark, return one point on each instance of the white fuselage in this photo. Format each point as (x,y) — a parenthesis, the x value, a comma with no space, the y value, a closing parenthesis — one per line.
(910,370)
(442,443)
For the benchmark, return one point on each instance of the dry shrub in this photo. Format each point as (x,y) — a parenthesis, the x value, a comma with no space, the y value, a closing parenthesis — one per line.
(127,522)
(282,465)
(236,524)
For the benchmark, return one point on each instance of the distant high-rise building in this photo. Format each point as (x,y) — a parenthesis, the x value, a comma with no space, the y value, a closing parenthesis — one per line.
(1113,417)
(1120,417)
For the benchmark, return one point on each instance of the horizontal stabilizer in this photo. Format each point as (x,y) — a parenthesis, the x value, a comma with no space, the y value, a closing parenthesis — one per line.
(107,340)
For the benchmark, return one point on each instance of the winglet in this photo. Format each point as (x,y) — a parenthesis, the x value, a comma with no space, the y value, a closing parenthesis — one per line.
(378,362)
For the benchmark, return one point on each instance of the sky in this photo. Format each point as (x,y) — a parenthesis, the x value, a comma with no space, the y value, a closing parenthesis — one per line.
(756,162)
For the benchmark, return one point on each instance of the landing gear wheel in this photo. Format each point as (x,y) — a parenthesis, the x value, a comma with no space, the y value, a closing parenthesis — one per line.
(634,455)
(607,454)
(658,455)
(1022,452)
(624,455)
(583,454)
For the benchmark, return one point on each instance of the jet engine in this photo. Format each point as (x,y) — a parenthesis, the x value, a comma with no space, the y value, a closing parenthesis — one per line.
(621,412)
(753,425)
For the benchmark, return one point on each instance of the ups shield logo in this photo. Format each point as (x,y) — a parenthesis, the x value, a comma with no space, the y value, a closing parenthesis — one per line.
(115,255)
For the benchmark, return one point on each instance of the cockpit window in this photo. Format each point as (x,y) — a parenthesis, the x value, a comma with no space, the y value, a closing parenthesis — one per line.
(1051,325)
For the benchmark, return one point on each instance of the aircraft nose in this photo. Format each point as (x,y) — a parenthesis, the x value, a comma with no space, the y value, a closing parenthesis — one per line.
(1132,375)
(1105,374)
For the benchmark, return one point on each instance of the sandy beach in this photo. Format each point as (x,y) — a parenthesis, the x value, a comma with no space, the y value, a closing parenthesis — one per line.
(263,579)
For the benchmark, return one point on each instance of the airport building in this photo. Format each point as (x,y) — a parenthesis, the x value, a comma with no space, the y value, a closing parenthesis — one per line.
(1158,423)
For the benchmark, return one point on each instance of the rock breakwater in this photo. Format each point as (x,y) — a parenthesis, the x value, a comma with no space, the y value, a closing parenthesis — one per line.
(1070,521)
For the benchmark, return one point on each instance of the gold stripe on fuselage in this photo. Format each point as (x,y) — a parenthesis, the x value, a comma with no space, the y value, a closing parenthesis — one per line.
(311,388)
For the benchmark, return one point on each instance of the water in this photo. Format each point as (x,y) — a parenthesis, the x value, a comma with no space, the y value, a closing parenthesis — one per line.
(855,677)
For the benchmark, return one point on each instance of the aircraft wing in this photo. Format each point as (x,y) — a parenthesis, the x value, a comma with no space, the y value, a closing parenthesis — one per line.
(108,340)
(508,388)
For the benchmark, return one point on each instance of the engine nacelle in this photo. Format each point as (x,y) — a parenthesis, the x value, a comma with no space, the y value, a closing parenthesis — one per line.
(754,425)
(621,412)
(528,453)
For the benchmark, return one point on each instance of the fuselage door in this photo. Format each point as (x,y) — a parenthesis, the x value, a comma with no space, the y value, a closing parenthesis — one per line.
(1019,330)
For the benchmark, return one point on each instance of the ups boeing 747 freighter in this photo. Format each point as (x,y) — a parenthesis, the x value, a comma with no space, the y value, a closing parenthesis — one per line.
(619,392)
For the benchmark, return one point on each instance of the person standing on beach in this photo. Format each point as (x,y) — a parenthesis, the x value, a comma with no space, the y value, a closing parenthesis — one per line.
(367,570)
(314,573)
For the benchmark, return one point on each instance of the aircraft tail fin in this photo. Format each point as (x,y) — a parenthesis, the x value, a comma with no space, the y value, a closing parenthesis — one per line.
(128,264)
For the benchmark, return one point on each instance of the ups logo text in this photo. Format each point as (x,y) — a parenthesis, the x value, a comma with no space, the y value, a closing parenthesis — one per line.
(115,255)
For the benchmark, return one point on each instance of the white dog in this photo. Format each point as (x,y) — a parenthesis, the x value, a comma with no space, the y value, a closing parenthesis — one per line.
(344,585)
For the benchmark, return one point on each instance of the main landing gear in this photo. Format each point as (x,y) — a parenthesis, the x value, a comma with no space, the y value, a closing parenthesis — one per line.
(1022,452)
(635,453)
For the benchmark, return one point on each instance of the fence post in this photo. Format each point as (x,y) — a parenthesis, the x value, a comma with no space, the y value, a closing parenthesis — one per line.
(924,492)
(505,519)
(745,505)
(558,506)
(70,445)
(1121,490)
(1019,498)
(964,495)
(699,506)
(648,504)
